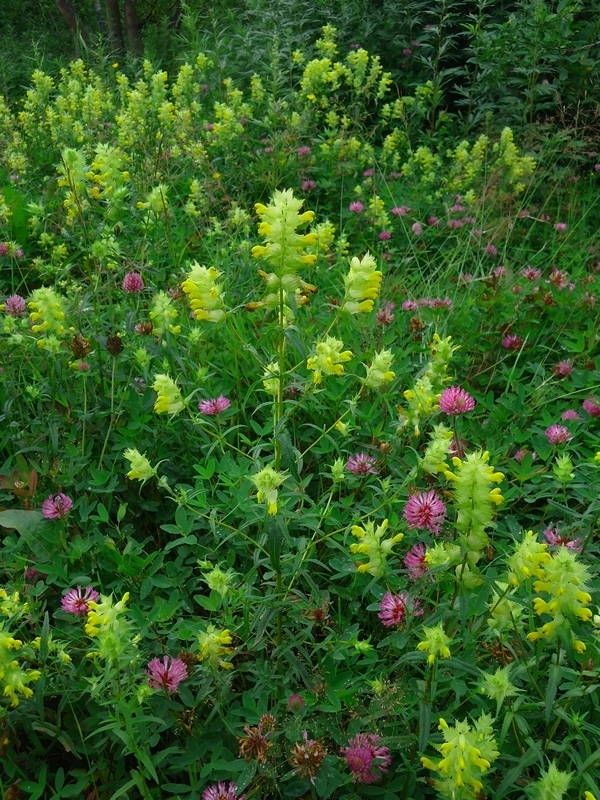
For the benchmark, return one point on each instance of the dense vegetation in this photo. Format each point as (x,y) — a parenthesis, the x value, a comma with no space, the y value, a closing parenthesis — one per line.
(300,404)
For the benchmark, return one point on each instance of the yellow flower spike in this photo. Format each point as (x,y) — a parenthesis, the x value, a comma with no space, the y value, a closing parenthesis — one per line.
(372,544)
(169,399)
(204,293)
(362,284)
(214,645)
(329,359)
(436,642)
(565,580)
(267,483)
(141,469)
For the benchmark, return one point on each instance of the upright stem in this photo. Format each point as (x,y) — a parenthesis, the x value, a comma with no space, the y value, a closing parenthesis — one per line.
(278,410)
(112,408)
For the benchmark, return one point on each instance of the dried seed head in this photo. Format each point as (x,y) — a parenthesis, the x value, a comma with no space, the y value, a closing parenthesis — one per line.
(80,347)
(114,345)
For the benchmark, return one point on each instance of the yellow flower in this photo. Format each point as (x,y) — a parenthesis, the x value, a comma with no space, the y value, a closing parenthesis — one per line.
(529,556)
(436,642)
(372,544)
(379,372)
(362,285)
(169,398)
(329,359)
(267,482)
(213,645)
(205,294)
(141,469)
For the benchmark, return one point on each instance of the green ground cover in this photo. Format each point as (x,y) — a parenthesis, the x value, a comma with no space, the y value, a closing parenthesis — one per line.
(300,404)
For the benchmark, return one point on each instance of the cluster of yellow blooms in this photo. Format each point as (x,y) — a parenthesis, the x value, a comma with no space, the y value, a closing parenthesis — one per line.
(14,678)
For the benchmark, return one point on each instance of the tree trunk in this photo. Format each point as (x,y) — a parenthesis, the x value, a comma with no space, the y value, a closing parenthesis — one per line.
(69,14)
(132,27)
(100,17)
(114,23)
(176,14)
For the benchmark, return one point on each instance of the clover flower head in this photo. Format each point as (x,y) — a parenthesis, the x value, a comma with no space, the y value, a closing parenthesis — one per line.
(555,539)
(15,306)
(374,546)
(166,673)
(76,601)
(415,561)
(366,760)
(425,510)
(385,315)
(133,283)
(307,756)
(395,607)
(295,702)
(570,415)
(362,464)
(214,406)
(558,434)
(222,791)
(592,407)
(57,506)
(455,400)
(563,369)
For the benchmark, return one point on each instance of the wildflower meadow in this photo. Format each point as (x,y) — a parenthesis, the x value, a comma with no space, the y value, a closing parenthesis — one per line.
(300,438)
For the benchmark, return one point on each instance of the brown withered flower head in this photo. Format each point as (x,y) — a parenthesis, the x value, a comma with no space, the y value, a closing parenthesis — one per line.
(318,614)
(80,347)
(307,756)
(114,345)
(145,328)
(255,744)
(267,723)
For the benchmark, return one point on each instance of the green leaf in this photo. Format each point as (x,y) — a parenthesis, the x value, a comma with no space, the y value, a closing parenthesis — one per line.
(424,724)
(554,675)
(25,522)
